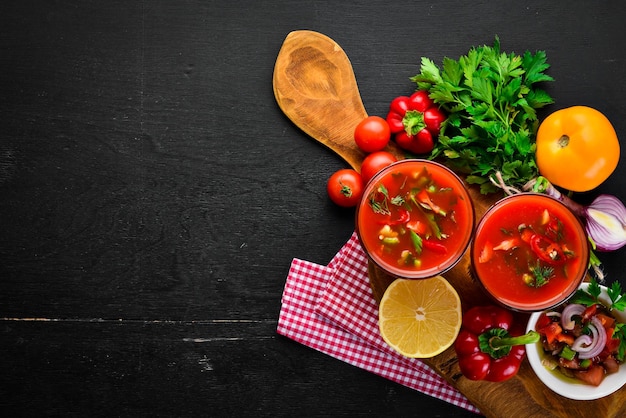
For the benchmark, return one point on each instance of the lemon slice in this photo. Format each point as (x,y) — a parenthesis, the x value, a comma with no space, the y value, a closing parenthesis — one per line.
(420,318)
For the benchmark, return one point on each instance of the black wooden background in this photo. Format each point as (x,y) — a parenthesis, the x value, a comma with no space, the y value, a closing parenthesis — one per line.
(153,195)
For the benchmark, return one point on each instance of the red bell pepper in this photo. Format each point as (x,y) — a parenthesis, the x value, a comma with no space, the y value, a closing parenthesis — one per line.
(490,345)
(547,250)
(415,122)
(436,247)
(403,217)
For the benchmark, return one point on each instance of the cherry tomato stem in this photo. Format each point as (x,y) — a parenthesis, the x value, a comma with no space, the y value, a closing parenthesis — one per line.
(345,187)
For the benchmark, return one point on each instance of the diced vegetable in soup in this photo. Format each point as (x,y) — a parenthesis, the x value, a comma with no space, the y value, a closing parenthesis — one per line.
(416,218)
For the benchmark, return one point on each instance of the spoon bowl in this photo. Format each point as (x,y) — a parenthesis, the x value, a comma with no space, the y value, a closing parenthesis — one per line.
(315,86)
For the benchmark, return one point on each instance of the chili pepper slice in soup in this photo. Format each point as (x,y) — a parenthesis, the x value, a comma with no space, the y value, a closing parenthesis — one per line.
(530,252)
(415,219)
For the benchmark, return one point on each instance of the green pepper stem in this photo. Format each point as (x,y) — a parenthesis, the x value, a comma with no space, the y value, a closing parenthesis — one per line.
(529,338)
(497,343)
(413,122)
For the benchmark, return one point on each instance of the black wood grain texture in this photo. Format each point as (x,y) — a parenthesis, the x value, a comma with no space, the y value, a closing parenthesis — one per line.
(152,194)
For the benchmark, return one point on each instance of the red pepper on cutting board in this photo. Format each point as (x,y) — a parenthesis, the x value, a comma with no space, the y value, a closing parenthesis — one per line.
(490,345)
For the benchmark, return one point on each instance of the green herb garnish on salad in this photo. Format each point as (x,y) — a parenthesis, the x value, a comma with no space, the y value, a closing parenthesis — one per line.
(592,294)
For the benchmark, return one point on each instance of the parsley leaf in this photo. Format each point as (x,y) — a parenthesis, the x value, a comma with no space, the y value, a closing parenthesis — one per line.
(539,275)
(617,298)
(594,289)
(590,297)
(379,201)
(397,201)
(620,332)
(583,298)
(491,99)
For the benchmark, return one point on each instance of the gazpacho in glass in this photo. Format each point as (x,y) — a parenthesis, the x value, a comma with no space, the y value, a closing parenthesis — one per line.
(415,219)
(530,252)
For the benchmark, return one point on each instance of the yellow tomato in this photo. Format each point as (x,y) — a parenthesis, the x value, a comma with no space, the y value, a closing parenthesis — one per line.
(577,148)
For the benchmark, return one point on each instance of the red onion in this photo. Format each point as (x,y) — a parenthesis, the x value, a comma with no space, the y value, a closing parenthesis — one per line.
(606,222)
(590,347)
(567,317)
(582,343)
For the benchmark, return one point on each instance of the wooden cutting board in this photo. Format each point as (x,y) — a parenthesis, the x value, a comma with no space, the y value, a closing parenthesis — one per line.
(315,86)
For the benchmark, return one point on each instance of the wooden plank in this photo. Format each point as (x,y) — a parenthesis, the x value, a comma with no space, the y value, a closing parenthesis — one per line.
(181,368)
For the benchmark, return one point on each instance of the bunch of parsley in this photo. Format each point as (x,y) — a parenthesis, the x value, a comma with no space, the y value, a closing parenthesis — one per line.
(492,101)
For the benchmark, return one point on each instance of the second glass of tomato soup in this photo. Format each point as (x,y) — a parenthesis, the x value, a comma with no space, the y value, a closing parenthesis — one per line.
(415,219)
(529,252)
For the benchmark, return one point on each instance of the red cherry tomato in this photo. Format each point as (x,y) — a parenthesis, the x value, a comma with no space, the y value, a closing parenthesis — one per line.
(372,134)
(375,162)
(345,187)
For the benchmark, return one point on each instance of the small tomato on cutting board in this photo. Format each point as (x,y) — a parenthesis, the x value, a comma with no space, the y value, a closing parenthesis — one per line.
(345,187)
(577,148)
(375,162)
(372,134)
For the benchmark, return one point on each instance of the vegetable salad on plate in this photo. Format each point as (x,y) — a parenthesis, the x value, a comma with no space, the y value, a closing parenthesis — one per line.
(583,340)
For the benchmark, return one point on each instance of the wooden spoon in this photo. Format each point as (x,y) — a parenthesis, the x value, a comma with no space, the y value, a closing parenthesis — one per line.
(315,86)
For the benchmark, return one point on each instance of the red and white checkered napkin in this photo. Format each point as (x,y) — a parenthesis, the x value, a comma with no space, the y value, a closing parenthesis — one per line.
(331,309)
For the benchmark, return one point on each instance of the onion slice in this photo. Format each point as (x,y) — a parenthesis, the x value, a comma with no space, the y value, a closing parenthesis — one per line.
(590,347)
(567,317)
(582,344)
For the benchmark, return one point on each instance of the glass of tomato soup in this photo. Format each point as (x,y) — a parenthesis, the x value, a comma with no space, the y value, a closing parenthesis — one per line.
(529,252)
(415,219)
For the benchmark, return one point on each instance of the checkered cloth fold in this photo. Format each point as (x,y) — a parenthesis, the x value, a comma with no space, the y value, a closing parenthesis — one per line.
(331,309)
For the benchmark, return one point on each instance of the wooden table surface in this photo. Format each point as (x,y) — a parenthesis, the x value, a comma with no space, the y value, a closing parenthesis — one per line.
(153,195)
